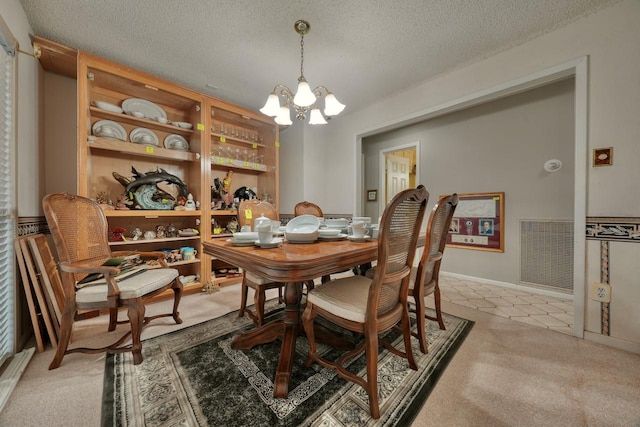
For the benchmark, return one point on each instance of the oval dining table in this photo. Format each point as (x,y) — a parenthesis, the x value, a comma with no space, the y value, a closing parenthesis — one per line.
(293,264)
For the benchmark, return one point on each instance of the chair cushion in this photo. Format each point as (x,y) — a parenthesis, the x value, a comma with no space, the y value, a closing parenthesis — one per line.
(253,278)
(414,271)
(133,287)
(346,297)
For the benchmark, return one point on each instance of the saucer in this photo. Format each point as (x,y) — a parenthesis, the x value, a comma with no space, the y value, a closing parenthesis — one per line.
(236,242)
(274,243)
(359,239)
(340,236)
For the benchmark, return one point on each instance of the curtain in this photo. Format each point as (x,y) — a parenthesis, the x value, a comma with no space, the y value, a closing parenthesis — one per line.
(7,197)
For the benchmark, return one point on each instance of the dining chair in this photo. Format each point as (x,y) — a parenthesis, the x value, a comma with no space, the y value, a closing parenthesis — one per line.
(248,211)
(373,306)
(307,208)
(428,270)
(79,229)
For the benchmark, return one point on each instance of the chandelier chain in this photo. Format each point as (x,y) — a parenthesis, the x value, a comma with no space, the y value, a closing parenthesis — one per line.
(302,56)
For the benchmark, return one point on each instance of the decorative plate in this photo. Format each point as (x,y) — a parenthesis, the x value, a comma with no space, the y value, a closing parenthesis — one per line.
(148,108)
(109,129)
(176,142)
(144,136)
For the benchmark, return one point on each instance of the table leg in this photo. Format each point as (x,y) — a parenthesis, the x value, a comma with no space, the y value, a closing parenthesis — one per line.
(292,297)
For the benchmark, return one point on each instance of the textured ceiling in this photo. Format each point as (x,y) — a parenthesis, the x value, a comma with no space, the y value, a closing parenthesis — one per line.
(361,50)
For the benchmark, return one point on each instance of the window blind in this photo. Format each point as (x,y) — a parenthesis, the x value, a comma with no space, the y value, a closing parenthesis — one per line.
(7,200)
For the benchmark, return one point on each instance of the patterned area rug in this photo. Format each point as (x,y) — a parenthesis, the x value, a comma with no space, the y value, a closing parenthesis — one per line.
(192,377)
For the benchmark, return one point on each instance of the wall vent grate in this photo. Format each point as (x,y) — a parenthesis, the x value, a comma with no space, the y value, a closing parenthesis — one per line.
(546,253)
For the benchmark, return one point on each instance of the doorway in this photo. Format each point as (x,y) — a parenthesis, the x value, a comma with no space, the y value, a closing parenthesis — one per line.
(401,170)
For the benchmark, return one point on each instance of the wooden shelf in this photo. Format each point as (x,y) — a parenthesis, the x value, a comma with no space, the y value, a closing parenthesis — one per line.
(227,138)
(224,212)
(136,121)
(96,142)
(226,281)
(143,241)
(151,214)
(237,164)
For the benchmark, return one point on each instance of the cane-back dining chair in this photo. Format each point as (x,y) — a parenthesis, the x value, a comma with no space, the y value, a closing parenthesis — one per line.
(80,232)
(428,270)
(307,208)
(248,211)
(373,306)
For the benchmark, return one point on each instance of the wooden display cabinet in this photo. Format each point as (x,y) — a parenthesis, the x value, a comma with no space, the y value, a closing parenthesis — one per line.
(250,140)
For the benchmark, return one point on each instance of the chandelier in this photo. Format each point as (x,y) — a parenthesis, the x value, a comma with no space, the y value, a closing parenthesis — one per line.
(305,100)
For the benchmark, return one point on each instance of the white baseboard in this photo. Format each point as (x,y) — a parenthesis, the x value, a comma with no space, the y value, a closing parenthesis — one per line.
(633,347)
(533,290)
(12,374)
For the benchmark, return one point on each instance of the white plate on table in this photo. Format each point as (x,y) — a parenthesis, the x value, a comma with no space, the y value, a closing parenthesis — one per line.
(144,136)
(148,108)
(340,236)
(249,236)
(274,243)
(176,142)
(236,242)
(306,241)
(109,129)
(359,239)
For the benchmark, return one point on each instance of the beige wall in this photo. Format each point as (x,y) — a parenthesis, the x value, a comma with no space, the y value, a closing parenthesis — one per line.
(499,146)
(611,40)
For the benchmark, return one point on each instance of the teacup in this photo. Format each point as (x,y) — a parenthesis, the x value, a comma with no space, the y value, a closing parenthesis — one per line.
(359,229)
(188,253)
(265,235)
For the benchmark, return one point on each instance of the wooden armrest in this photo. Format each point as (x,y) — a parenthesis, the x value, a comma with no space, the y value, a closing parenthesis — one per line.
(108,273)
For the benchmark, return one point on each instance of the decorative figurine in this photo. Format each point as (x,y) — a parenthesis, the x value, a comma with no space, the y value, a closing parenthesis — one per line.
(143,189)
(190,205)
(136,234)
(160,231)
(117,234)
(232,225)
(171,231)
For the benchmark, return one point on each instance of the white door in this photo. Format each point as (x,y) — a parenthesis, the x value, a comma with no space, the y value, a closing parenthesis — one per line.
(397,175)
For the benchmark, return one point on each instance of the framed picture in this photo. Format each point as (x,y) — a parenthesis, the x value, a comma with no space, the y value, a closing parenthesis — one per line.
(603,156)
(372,195)
(478,222)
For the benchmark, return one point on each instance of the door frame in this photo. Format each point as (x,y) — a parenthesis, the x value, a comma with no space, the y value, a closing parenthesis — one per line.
(579,70)
(382,183)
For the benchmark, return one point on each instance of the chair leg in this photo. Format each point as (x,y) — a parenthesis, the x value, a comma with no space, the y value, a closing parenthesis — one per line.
(406,333)
(136,318)
(372,374)
(66,326)
(436,298)
(177,296)
(113,319)
(420,323)
(307,324)
(243,298)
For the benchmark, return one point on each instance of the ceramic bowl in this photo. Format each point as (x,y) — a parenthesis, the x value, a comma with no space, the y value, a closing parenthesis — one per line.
(304,224)
(338,223)
(329,232)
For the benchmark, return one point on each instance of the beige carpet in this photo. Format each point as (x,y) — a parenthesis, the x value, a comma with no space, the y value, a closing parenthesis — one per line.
(506,373)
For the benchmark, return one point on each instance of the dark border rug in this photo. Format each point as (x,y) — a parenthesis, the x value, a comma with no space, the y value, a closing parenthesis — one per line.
(192,377)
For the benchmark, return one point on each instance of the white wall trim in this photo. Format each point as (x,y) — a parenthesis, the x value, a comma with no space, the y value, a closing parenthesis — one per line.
(578,68)
(612,342)
(10,377)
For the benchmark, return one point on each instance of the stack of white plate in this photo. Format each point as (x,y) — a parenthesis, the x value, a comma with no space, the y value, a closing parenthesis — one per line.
(302,229)
(244,238)
(176,142)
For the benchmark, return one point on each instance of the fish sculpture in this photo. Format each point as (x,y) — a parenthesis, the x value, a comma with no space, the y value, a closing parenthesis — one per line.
(143,192)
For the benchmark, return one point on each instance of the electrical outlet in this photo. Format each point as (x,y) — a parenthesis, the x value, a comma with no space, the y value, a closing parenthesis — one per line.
(601,292)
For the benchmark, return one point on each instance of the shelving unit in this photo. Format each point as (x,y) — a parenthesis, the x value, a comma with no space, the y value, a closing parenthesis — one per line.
(253,138)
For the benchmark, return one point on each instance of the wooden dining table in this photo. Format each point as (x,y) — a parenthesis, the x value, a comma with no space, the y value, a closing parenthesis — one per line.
(292,264)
